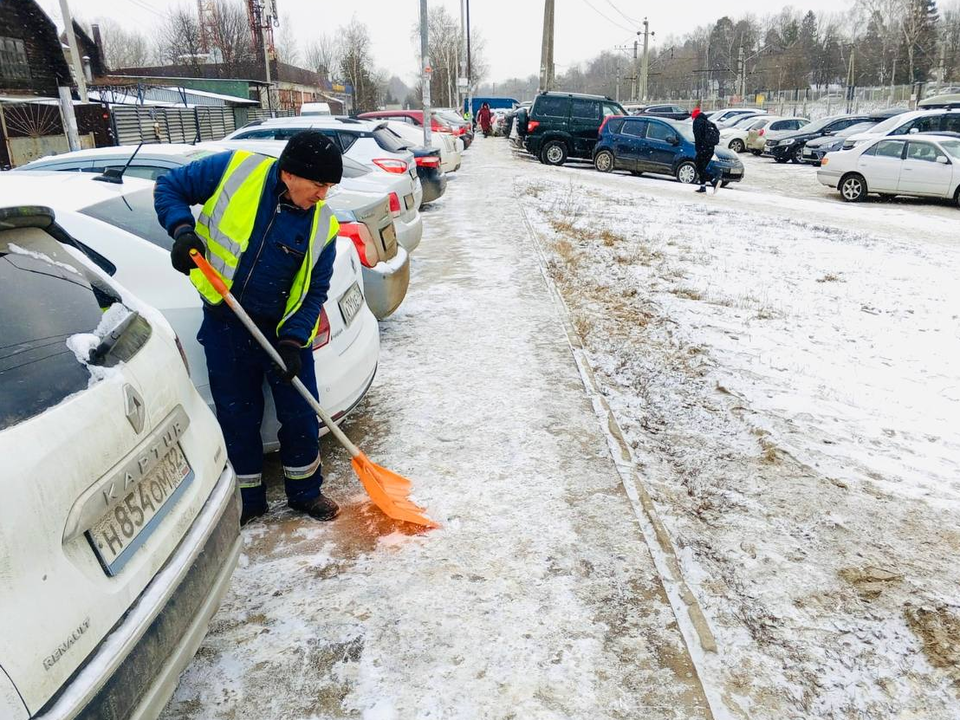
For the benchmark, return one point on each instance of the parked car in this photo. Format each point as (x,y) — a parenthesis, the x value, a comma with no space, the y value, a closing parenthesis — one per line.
(789,146)
(920,165)
(736,120)
(119,526)
(120,224)
(719,116)
(673,112)
(440,122)
(906,123)
(736,136)
(763,129)
(459,123)
(948,97)
(359,198)
(815,150)
(315,108)
(562,125)
(450,147)
(657,145)
(369,143)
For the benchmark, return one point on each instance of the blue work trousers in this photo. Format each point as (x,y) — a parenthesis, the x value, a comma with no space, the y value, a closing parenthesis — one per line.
(237,366)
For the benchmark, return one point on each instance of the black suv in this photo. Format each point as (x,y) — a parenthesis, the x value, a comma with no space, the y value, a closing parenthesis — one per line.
(562,125)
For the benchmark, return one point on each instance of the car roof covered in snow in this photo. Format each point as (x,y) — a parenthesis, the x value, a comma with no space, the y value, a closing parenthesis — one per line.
(154,150)
(63,190)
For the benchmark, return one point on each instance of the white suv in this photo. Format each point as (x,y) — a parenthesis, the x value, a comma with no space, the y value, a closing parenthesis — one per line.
(119,526)
(367,142)
(909,123)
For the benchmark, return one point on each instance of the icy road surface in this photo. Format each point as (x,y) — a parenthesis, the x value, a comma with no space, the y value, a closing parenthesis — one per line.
(781,374)
(538,599)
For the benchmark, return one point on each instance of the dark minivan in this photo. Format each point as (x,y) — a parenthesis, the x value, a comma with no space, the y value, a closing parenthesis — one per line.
(562,125)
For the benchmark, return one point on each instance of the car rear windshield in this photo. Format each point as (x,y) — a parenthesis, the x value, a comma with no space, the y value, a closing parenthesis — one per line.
(388,141)
(47,297)
(134,213)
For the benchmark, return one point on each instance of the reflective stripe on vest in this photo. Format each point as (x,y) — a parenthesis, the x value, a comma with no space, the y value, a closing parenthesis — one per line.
(226,224)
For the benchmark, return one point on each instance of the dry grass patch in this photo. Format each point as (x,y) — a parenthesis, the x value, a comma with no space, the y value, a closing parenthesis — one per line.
(688,293)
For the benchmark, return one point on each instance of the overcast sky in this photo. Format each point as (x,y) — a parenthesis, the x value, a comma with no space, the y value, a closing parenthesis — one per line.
(512,28)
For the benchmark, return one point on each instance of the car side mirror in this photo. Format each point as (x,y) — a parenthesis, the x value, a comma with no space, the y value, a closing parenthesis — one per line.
(674,140)
(914,131)
(828,132)
(942,160)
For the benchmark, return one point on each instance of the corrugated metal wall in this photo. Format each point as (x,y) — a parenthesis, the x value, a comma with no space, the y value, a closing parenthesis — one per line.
(135,124)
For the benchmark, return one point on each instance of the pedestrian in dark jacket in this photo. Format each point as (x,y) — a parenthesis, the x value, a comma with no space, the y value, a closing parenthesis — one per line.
(266,229)
(702,129)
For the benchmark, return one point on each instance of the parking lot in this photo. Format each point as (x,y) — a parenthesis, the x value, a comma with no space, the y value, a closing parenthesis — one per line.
(633,522)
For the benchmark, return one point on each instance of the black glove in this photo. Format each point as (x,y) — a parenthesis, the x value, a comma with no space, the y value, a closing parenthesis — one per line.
(180,253)
(290,352)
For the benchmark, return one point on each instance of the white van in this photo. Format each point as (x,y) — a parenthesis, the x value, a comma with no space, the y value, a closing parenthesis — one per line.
(315,108)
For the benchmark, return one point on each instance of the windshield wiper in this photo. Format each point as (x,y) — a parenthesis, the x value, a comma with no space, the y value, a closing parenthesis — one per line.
(100,352)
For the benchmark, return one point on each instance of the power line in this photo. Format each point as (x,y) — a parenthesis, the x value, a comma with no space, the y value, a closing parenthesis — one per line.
(612,22)
(624,15)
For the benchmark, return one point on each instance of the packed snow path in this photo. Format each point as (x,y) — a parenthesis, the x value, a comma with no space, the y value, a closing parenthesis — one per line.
(539,598)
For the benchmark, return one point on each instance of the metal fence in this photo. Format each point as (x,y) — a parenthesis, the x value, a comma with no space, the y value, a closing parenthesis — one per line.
(134,124)
(814,103)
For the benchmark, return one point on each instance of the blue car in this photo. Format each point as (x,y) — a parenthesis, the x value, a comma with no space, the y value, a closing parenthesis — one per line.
(644,144)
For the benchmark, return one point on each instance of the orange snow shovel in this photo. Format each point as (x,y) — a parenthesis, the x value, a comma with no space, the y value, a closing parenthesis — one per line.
(387,489)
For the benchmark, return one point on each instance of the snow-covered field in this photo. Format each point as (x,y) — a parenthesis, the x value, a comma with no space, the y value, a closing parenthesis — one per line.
(793,392)
(782,368)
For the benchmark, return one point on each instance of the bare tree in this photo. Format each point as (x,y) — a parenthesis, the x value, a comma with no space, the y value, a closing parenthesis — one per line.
(356,65)
(123,48)
(286,47)
(323,55)
(180,41)
(228,31)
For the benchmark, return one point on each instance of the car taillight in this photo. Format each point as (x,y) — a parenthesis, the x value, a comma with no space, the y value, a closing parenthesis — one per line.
(437,127)
(362,241)
(391,165)
(395,204)
(323,330)
(183,355)
(428,161)
(532,125)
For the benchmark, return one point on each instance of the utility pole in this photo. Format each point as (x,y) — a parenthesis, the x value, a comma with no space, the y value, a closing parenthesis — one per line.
(741,75)
(943,62)
(546,49)
(850,79)
(645,64)
(469,68)
(462,90)
(635,81)
(425,75)
(74,51)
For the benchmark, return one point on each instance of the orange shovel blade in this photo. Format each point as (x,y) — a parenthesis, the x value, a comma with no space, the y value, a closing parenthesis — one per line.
(389,492)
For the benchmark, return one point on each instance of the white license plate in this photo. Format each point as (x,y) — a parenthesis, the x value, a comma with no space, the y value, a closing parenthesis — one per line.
(120,532)
(389,235)
(350,303)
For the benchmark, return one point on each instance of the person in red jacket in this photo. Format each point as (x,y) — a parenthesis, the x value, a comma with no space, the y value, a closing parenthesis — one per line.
(484,118)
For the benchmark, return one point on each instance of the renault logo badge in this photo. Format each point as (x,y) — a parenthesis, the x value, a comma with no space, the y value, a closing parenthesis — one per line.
(135,409)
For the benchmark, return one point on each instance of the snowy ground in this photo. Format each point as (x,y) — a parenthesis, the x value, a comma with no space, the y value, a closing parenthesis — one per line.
(781,368)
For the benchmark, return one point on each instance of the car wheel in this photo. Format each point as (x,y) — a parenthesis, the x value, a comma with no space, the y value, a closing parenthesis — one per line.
(554,153)
(604,161)
(956,196)
(686,172)
(853,188)
(797,155)
(737,145)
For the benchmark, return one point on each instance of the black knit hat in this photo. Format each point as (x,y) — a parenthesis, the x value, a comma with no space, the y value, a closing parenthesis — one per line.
(312,155)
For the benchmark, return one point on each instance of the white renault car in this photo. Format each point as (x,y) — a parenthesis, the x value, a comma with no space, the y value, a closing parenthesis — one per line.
(119,223)
(367,142)
(361,206)
(920,165)
(119,526)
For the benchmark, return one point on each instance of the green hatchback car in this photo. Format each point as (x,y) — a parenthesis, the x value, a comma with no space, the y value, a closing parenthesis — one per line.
(563,125)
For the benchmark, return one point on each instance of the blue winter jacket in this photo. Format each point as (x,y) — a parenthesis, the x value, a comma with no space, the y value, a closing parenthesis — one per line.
(274,253)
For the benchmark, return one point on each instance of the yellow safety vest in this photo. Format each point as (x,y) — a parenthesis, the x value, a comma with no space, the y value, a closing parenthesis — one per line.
(226,223)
